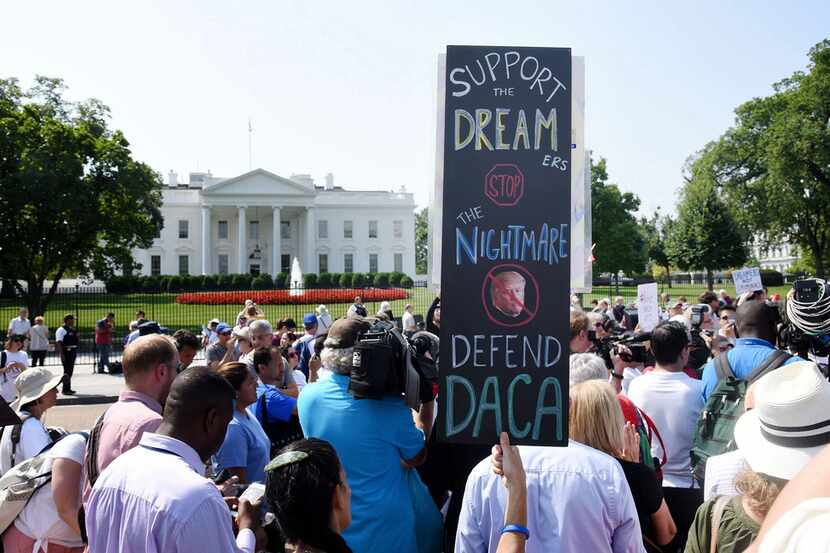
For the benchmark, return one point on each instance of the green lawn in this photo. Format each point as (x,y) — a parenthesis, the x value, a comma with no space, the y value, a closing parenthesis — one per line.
(89,307)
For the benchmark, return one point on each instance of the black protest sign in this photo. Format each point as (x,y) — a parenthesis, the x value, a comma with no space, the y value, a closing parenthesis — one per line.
(505,266)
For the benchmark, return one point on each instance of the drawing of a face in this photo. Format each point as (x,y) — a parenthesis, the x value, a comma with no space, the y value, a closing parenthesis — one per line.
(507,291)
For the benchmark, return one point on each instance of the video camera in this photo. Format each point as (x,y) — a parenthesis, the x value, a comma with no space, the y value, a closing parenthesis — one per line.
(805,326)
(385,363)
(634,342)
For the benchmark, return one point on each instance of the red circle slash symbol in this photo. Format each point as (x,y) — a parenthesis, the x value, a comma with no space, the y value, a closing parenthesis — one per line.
(504,184)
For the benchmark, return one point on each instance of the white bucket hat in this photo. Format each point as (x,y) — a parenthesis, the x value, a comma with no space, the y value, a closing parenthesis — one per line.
(32,384)
(790,423)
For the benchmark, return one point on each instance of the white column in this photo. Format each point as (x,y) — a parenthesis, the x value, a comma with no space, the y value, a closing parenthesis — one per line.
(243,241)
(310,266)
(276,247)
(206,240)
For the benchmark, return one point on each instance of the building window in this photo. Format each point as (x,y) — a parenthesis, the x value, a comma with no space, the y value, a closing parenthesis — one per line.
(285,263)
(373,263)
(323,262)
(253,230)
(397,229)
(184,265)
(348,263)
(158,229)
(398,263)
(255,269)
(285,230)
(347,229)
(223,230)
(373,229)
(223,263)
(155,265)
(322,229)
(184,228)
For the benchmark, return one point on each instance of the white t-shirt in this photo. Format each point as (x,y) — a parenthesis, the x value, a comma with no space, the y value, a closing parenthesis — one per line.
(60,334)
(40,519)
(20,326)
(408,321)
(674,402)
(40,338)
(7,379)
(299,378)
(33,438)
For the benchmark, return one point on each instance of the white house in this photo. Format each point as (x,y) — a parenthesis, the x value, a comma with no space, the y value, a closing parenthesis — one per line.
(779,256)
(258,222)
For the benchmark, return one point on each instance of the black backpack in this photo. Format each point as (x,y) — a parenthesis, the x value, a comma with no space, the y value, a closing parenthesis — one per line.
(715,429)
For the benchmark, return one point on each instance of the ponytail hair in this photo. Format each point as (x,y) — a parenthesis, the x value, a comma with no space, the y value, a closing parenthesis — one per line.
(300,485)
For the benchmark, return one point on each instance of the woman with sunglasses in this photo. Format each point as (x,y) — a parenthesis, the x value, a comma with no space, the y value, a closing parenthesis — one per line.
(13,361)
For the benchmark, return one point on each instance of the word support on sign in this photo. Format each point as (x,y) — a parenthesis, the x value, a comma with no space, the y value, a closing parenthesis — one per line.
(505,267)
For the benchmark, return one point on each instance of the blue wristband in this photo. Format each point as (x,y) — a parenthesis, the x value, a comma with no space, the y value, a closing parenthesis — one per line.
(517,529)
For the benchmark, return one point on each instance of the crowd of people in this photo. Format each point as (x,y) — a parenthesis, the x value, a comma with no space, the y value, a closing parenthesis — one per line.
(264,446)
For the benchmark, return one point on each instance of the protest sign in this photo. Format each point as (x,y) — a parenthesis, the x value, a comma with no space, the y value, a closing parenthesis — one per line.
(506,227)
(747,280)
(648,312)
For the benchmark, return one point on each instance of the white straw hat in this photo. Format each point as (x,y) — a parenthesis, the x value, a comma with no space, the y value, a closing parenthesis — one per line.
(32,384)
(790,423)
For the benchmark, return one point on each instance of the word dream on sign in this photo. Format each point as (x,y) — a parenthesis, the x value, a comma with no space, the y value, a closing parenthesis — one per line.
(648,311)
(747,280)
(505,229)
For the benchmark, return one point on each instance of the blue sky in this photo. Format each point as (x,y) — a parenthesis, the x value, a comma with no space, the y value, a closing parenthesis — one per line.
(349,87)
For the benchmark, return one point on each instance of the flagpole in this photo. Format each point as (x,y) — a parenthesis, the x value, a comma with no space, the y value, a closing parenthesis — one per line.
(250,149)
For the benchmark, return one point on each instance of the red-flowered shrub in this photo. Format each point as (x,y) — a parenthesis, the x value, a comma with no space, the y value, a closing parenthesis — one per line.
(284,297)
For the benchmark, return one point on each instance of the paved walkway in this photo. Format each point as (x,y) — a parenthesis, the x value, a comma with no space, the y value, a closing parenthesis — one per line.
(91,388)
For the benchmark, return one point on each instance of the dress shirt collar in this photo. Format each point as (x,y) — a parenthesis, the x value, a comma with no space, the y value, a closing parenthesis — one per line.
(169,445)
(132,395)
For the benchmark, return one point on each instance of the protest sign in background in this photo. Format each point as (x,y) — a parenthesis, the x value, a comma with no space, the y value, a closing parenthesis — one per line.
(648,312)
(505,260)
(747,280)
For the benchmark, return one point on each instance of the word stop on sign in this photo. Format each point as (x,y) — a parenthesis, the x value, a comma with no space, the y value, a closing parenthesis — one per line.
(504,184)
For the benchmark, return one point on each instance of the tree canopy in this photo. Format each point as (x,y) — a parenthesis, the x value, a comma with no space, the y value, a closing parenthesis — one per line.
(421,241)
(705,234)
(75,201)
(774,163)
(620,245)
(656,230)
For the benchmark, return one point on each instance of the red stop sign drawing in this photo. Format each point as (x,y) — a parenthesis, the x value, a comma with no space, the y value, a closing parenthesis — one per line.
(504,184)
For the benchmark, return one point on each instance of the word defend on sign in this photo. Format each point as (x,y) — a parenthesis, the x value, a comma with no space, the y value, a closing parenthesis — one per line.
(747,280)
(505,225)
(648,312)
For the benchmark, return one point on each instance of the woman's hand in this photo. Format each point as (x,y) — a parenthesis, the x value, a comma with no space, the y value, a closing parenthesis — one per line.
(507,462)
(631,444)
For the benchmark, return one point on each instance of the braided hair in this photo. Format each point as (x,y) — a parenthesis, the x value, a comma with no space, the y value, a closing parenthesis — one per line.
(301,491)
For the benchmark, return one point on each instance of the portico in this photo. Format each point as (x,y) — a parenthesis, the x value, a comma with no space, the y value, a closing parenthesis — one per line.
(273,220)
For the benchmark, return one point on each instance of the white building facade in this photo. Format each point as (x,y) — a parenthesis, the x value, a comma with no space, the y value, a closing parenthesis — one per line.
(778,257)
(259,222)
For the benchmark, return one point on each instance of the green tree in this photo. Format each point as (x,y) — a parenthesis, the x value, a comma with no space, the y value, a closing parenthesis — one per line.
(656,231)
(705,235)
(76,201)
(421,241)
(775,161)
(619,241)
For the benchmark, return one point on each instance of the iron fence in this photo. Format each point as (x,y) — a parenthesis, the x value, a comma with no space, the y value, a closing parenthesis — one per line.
(89,305)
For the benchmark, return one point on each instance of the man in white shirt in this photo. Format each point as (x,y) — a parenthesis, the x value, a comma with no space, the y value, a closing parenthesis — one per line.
(21,325)
(408,319)
(579,498)
(154,498)
(674,401)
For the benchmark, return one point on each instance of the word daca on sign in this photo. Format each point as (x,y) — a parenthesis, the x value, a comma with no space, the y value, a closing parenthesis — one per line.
(514,243)
(470,129)
(529,69)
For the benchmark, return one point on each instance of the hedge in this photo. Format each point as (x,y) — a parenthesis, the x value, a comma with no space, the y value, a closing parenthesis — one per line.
(285,297)
(183,283)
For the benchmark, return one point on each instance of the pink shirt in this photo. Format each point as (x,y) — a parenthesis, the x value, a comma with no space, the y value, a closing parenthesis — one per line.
(125,422)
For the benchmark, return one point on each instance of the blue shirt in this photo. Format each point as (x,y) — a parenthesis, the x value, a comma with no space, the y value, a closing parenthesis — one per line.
(278,407)
(246,446)
(747,355)
(371,437)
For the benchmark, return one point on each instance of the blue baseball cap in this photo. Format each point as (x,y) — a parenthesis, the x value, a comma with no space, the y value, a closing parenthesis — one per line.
(222,328)
(309,320)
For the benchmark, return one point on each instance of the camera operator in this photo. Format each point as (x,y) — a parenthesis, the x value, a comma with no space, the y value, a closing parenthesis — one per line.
(580,341)
(756,326)
(702,338)
(378,443)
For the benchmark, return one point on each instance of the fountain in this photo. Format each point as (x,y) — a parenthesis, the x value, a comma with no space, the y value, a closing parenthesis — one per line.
(296,279)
